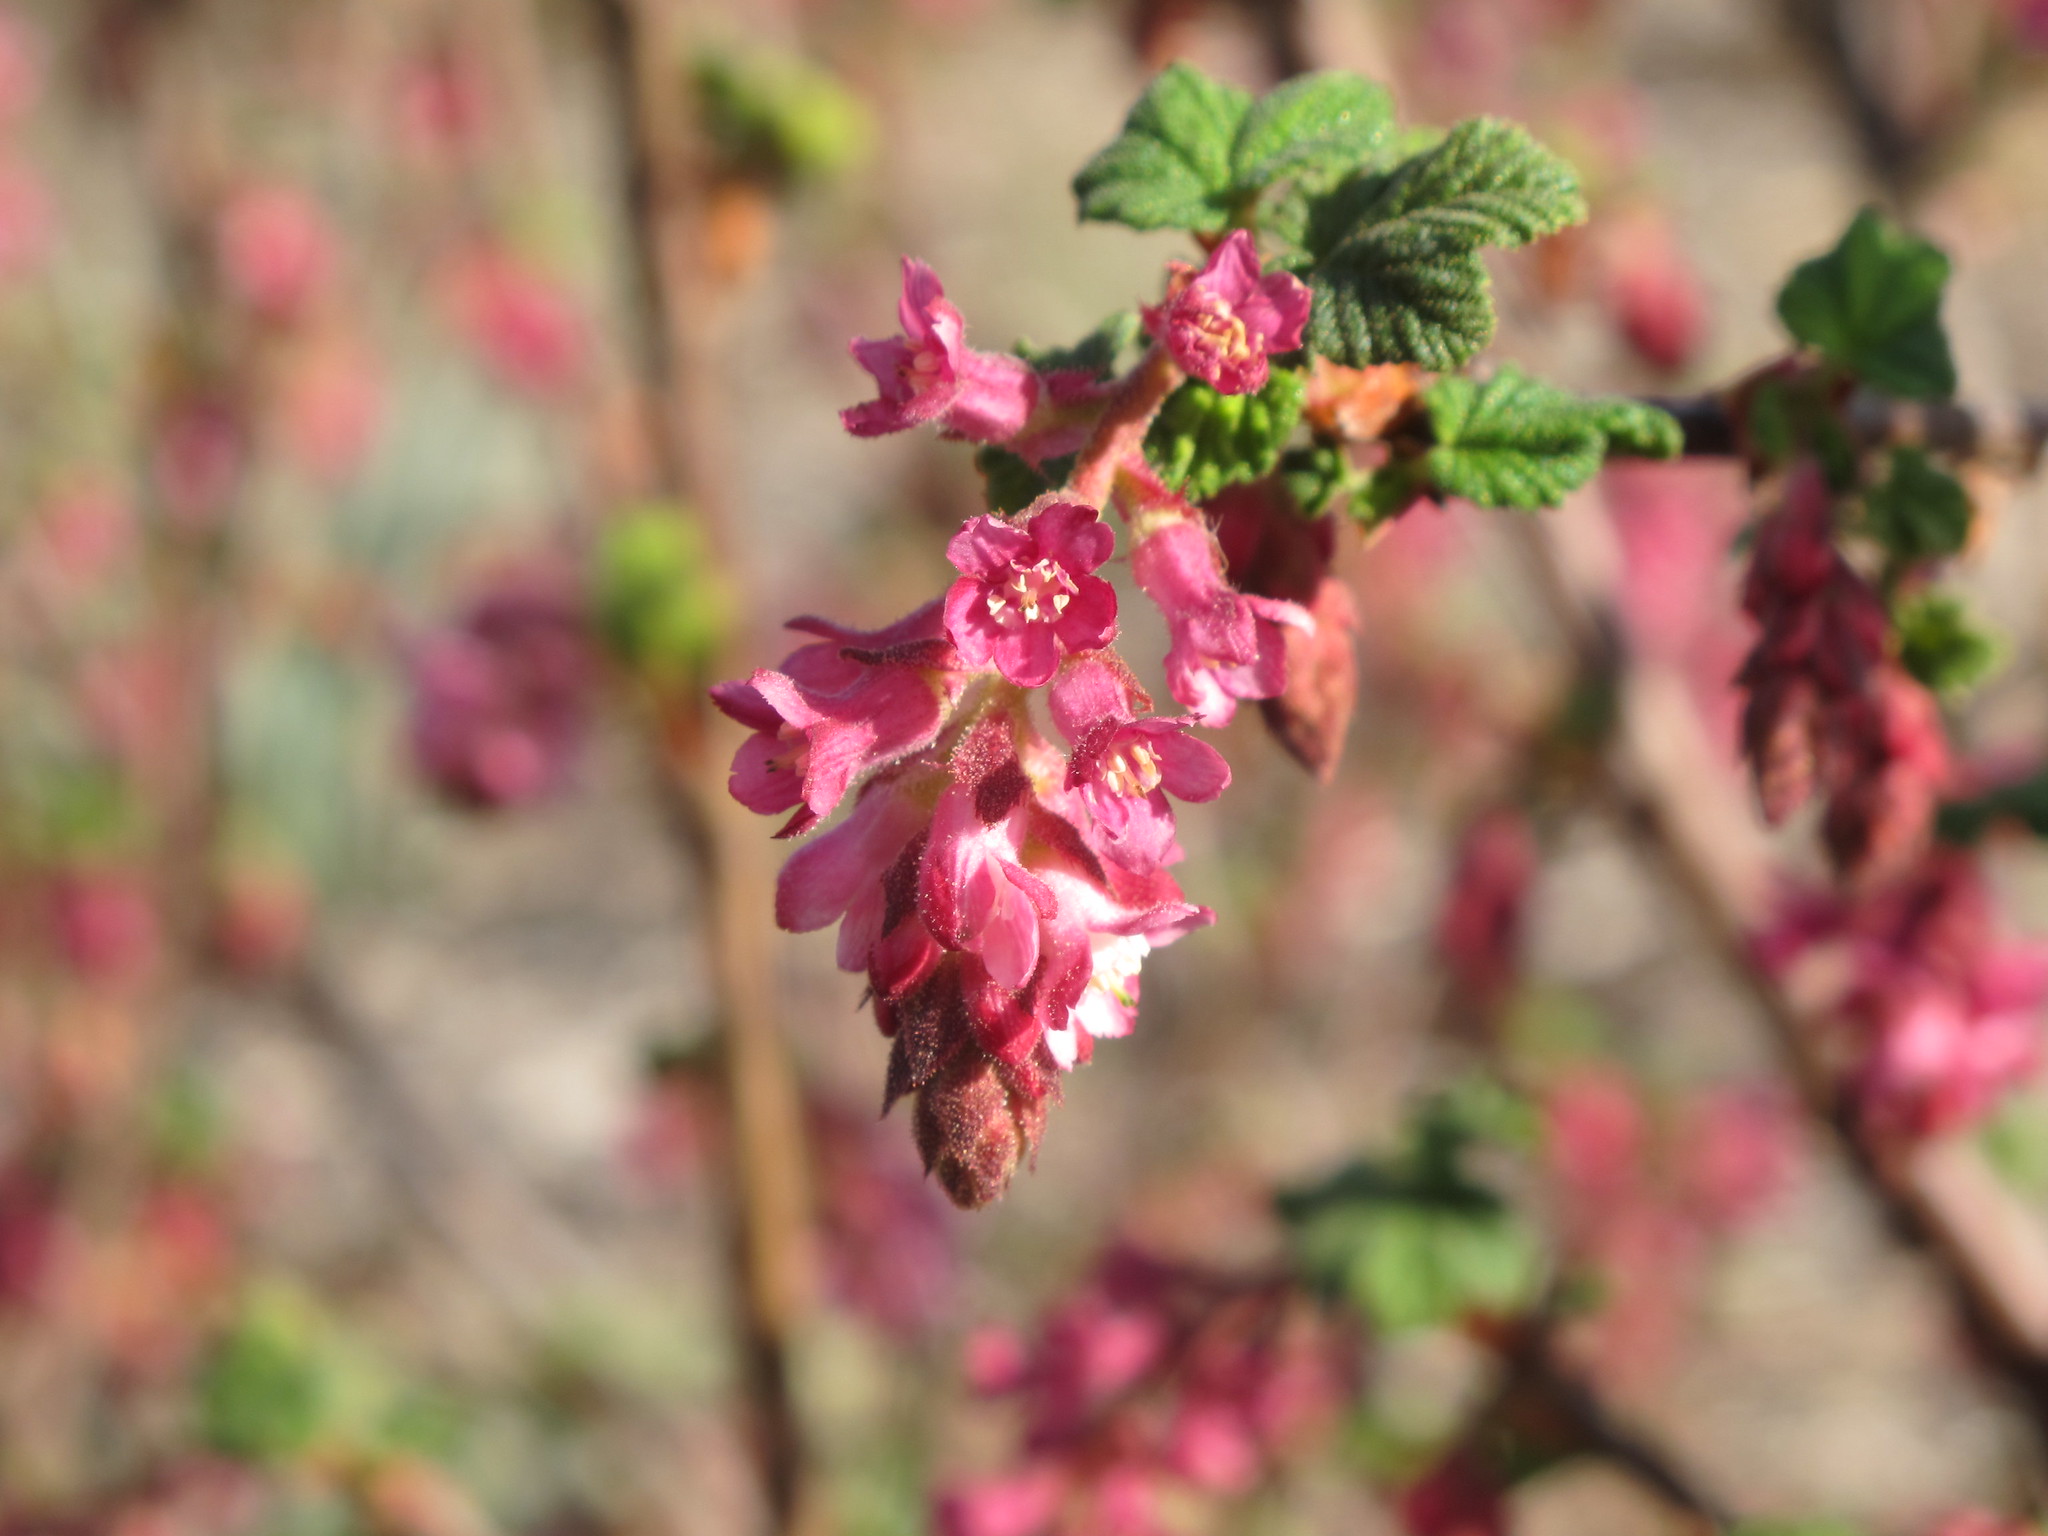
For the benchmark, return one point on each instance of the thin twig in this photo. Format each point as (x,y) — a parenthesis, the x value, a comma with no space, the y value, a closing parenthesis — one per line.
(674,297)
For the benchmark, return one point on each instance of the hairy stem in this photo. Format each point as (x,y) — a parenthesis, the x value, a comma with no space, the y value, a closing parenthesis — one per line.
(1119,437)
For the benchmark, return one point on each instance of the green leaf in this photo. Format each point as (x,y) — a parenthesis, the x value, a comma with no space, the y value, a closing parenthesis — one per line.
(1515,441)
(1095,353)
(1318,477)
(1940,647)
(776,115)
(265,1393)
(659,602)
(1920,511)
(1011,482)
(1396,270)
(1202,441)
(2023,802)
(1315,130)
(1413,1241)
(1170,168)
(1873,306)
(1635,430)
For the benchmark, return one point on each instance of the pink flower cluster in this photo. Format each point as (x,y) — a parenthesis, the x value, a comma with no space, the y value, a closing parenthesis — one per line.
(1942,1012)
(1155,1378)
(499,698)
(1828,710)
(998,883)
(1643,1190)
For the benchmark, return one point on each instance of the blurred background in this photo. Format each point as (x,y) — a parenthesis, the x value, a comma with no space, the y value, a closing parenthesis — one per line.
(368,1159)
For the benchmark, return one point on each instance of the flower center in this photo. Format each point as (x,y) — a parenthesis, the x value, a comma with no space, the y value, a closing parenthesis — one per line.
(1134,771)
(1117,963)
(1036,594)
(1220,326)
(792,752)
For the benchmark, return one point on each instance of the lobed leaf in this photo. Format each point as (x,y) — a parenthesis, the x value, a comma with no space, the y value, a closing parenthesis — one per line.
(1515,441)
(1314,130)
(1919,511)
(1170,168)
(1395,266)
(1202,441)
(1873,306)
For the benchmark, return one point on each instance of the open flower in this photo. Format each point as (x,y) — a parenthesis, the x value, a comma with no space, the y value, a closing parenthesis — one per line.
(929,373)
(834,710)
(1223,323)
(1227,645)
(1123,768)
(1027,594)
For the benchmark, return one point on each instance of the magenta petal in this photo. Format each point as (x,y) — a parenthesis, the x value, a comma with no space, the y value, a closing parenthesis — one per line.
(922,292)
(1008,941)
(743,702)
(1085,696)
(1073,534)
(886,361)
(762,779)
(969,625)
(995,397)
(1028,656)
(985,547)
(823,878)
(1290,301)
(1190,770)
(1232,272)
(1090,620)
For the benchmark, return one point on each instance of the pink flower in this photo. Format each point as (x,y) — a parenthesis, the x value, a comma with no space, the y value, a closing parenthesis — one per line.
(498,700)
(1226,645)
(28,222)
(1026,594)
(276,250)
(1123,768)
(331,406)
(105,925)
(1018,1504)
(1223,323)
(526,325)
(930,374)
(834,711)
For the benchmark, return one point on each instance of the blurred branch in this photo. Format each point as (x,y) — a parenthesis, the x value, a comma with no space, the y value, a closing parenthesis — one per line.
(676,299)
(1690,824)
(2012,442)
(1545,1397)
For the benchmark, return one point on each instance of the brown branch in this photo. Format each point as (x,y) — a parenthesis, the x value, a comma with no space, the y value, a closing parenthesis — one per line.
(2013,442)
(1693,826)
(674,298)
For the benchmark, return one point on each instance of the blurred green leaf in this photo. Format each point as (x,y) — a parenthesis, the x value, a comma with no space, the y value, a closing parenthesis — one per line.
(1919,511)
(660,603)
(1873,306)
(1515,441)
(266,1394)
(777,115)
(1096,353)
(1940,646)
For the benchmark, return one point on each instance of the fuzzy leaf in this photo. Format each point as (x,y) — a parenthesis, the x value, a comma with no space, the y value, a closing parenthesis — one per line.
(1920,511)
(1940,646)
(1873,305)
(1203,441)
(1314,130)
(1012,483)
(1515,441)
(1396,270)
(1170,168)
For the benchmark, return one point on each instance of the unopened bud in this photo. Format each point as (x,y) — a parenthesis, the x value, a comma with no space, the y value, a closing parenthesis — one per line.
(973,1129)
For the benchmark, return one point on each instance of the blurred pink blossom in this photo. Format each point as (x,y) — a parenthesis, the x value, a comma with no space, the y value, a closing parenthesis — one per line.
(276,250)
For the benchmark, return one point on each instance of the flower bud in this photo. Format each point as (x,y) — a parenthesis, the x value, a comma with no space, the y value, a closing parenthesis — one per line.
(973,1128)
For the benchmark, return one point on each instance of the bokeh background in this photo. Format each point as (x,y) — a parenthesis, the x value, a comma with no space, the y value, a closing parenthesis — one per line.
(364,1164)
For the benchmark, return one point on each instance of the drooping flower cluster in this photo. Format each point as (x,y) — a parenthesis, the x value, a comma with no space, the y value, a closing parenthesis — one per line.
(1829,711)
(1000,884)
(1941,1011)
(1154,1378)
(499,699)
